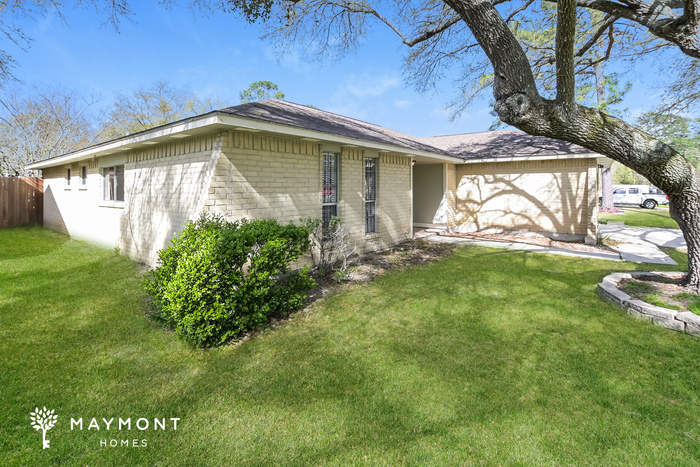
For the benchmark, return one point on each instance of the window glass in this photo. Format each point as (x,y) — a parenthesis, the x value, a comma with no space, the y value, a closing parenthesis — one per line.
(329,187)
(633,191)
(330,178)
(370,195)
(67,176)
(83,175)
(113,183)
(119,176)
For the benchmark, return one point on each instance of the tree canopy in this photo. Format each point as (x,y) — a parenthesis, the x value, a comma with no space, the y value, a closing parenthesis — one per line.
(42,123)
(156,105)
(260,90)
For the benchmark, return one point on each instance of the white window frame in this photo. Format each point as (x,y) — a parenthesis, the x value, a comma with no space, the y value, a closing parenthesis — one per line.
(83,176)
(68,176)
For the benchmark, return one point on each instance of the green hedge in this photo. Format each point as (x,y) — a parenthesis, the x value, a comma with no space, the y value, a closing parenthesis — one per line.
(219,278)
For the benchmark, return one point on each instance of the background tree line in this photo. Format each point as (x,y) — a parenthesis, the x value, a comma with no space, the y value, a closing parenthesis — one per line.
(39,122)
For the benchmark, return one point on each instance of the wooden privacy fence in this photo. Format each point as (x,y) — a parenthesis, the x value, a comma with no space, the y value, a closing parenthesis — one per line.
(21,201)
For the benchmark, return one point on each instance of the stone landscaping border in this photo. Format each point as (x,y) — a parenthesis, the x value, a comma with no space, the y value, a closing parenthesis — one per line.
(671,319)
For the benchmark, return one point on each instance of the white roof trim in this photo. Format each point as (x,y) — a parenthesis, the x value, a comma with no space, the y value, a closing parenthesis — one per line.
(174,130)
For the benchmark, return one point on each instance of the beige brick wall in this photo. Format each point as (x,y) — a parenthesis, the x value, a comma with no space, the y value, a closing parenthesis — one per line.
(351,206)
(393,199)
(450,194)
(164,188)
(231,173)
(261,176)
(542,196)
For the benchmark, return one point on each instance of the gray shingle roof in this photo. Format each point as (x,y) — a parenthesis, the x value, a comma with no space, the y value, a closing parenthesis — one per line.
(300,116)
(470,146)
(502,144)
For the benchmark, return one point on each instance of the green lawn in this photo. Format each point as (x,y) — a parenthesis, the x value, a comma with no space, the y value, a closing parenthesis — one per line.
(487,357)
(639,217)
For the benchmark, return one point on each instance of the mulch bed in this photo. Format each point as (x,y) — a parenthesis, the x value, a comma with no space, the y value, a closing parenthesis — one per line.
(367,266)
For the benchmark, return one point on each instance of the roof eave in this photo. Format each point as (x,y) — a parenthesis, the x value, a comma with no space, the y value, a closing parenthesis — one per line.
(586,155)
(224,120)
(174,130)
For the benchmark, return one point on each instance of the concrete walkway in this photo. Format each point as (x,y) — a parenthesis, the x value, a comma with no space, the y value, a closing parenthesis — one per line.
(513,246)
(642,243)
(635,244)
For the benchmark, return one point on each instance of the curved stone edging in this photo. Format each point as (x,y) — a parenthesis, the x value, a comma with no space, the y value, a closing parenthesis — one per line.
(671,319)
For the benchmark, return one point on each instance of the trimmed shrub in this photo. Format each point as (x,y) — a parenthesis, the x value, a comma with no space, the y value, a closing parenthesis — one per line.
(219,278)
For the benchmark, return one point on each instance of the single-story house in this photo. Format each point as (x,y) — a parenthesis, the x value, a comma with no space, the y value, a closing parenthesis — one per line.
(278,159)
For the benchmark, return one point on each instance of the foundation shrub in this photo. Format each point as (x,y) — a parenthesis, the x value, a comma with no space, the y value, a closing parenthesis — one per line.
(219,278)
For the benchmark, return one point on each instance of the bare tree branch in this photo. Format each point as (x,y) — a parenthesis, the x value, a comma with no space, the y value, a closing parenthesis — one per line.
(607,23)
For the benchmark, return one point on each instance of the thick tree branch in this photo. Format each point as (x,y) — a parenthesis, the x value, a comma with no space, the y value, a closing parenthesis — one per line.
(512,71)
(565,42)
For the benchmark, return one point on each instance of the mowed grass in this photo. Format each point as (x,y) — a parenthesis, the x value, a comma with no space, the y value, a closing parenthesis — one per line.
(639,217)
(488,357)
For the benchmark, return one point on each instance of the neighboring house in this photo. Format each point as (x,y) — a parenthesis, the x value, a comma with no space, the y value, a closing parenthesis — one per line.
(287,161)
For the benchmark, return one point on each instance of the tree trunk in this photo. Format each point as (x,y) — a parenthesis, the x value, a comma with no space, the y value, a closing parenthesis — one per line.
(606,178)
(686,211)
(519,104)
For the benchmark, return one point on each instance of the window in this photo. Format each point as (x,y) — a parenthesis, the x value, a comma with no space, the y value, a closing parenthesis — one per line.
(113,183)
(83,175)
(329,182)
(620,191)
(633,191)
(67,177)
(370,195)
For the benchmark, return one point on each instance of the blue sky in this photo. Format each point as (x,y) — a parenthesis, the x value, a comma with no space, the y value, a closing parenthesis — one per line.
(220,56)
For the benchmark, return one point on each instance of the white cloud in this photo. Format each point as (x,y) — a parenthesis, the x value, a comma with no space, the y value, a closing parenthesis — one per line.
(365,85)
(403,104)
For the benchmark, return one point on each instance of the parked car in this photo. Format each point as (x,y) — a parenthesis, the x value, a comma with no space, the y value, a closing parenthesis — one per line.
(645,196)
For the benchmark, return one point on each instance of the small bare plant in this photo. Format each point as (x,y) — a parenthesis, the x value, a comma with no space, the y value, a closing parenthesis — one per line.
(332,245)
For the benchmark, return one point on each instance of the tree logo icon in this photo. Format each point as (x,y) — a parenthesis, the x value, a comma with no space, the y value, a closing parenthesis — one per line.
(43,420)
